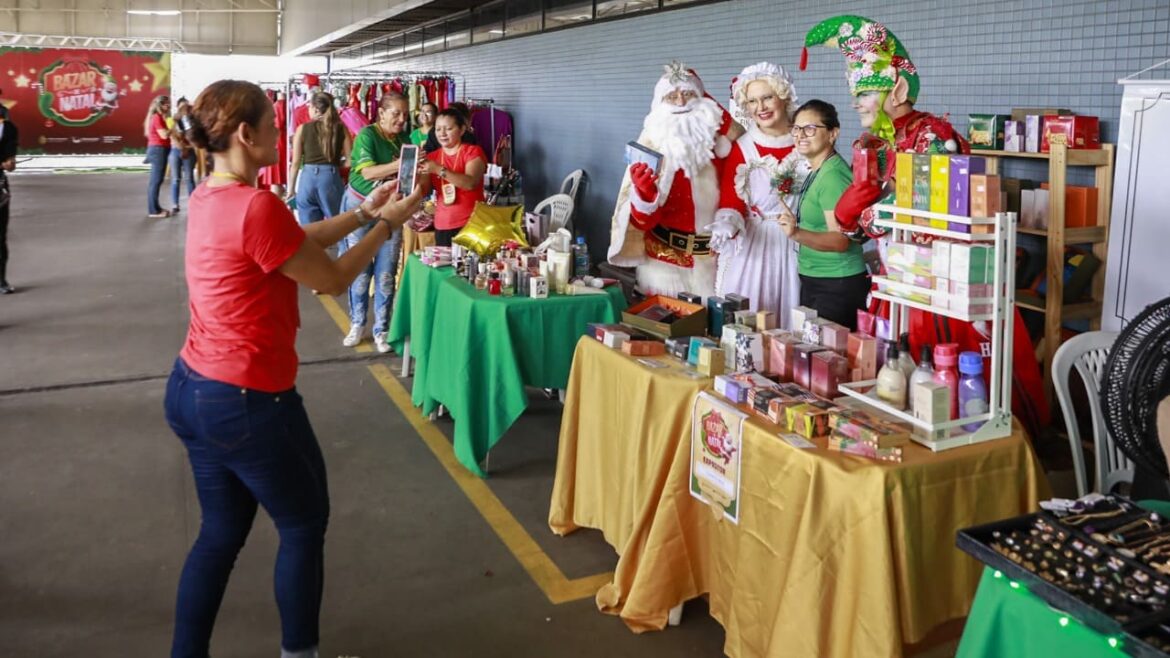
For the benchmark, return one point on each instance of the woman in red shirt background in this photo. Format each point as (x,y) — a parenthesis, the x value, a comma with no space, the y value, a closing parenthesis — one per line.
(231,397)
(455,171)
(158,148)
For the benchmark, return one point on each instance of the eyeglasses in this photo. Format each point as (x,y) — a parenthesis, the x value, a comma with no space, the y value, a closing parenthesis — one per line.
(806,131)
(685,96)
(753,103)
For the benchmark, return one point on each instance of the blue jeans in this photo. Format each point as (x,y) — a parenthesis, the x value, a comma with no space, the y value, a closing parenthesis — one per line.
(383,269)
(181,167)
(319,190)
(248,447)
(156,156)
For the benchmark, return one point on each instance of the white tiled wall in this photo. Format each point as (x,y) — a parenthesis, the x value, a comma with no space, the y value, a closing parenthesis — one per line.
(578,95)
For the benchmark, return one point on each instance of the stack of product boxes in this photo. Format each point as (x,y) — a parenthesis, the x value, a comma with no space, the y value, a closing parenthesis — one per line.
(949,275)
(948,185)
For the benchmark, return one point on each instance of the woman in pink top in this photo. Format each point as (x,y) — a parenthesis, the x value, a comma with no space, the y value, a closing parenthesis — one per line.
(158,148)
(455,171)
(231,397)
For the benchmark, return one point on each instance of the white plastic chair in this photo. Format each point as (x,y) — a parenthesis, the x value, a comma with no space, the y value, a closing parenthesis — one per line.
(571,183)
(1088,353)
(561,212)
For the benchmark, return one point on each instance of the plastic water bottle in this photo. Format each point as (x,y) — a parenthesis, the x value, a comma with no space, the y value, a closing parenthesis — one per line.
(581,262)
(972,389)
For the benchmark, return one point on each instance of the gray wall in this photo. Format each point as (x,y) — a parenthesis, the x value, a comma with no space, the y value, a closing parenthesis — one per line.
(578,95)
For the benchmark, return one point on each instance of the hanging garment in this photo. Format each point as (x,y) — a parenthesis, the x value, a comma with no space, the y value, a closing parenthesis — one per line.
(760,263)
(441,93)
(352,98)
(371,96)
(490,125)
(451,90)
(277,174)
(428,85)
(354,120)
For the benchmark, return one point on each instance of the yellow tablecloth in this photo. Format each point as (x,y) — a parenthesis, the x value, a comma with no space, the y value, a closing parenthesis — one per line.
(833,556)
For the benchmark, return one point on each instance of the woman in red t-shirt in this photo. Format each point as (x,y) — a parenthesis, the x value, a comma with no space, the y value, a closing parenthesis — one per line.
(158,148)
(231,397)
(455,171)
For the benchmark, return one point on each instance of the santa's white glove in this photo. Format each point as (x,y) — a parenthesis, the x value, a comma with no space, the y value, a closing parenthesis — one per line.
(723,234)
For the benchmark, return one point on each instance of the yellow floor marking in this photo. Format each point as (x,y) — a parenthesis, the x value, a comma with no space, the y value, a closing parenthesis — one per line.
(540,567)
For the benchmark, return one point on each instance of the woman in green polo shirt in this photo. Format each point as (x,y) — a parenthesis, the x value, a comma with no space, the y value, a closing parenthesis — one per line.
(374,158)
(833,279)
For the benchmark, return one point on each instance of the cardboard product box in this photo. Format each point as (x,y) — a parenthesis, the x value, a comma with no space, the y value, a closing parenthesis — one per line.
(940,179)
(814,330)
(782,356)
(731,388)
(746,318)
(909,257)
(829,370)
(1021,113)
(971,263)
(743,348)
(862,354)
(985,195)
(761,398)
(972,290)
(959,180)
(596,330)
(644,348)
(778,407)
(919,280)
(1040,204)
(768,335)
(765,320)
(696,345)
(865,166)
(1080,207)
(680,347)
(985,131)
(903,184)
(615,339)
(685,319)
(1033,127)
(921,182)
(838,442)
(800,315)
(931,402)
(835,337)
(1013,189)
(1013,136)
(940,258)
(869,427)
(811,419)
(866,322)
(718,315)
(710,361)
(802,363)
(740,302)
(1028,209)
(942,293)
(1079,132)
(691,298)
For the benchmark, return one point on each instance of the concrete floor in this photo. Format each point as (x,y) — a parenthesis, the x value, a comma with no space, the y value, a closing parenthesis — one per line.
(97,507)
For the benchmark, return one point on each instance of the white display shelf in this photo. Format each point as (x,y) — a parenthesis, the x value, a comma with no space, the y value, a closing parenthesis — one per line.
(997,422)
(936,436)
(930,308)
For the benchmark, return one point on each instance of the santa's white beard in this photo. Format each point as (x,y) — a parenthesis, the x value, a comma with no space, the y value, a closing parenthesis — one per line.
(686,140)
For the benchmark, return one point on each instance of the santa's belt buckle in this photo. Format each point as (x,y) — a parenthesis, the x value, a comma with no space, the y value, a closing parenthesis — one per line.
(688,243)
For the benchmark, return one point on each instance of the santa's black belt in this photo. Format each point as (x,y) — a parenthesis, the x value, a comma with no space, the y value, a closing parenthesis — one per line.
(689,243)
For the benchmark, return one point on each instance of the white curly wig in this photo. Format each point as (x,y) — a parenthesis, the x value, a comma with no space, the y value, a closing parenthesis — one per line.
(774,75)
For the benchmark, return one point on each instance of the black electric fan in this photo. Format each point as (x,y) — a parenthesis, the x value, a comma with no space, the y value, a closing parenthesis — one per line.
(1136,379)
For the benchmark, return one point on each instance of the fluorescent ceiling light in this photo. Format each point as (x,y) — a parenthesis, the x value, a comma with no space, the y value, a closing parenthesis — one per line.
(154,12)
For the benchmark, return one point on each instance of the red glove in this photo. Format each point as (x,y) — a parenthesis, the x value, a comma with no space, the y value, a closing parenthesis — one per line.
(644,181)
(853,202)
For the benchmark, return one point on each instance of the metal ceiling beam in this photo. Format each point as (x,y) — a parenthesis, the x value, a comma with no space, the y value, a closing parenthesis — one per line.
(99,43)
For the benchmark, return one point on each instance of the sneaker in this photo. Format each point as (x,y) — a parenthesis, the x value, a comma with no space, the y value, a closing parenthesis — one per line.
(354,336)
(6,289)
(381,343)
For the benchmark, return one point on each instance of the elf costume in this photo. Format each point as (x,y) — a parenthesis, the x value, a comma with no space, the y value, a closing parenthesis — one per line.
(875,62)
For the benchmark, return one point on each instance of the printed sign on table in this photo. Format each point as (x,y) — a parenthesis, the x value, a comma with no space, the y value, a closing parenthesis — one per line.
(716,453)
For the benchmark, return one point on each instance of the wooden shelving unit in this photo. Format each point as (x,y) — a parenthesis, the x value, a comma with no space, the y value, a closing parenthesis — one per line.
(1058,236)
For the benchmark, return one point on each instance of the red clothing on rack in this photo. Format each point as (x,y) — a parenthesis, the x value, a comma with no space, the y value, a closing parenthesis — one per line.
(277,174)
(441,93)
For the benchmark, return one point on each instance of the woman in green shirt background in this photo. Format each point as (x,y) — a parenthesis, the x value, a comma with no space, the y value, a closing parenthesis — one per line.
(833,279)
(376,150)
(426,122)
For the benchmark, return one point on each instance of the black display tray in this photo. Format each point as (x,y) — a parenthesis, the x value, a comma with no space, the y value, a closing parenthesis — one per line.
(976,540)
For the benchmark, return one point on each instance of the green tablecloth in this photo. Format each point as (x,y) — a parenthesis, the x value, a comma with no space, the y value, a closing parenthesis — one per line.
(475,353)
(1008,621)
(414,311)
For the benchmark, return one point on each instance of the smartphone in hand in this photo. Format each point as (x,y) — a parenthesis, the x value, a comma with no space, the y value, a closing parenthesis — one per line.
(407,169)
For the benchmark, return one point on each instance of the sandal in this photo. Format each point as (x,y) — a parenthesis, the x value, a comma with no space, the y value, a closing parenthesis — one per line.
(162,215)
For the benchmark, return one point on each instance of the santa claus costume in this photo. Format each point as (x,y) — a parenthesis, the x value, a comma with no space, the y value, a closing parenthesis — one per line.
(761,174)
(879,68)
(657,217)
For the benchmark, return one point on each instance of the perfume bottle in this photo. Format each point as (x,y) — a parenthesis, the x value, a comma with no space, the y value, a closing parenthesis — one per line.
(481,279)
(494,286)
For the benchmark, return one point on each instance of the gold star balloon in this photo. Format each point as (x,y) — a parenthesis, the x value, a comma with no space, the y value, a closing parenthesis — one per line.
(490,227)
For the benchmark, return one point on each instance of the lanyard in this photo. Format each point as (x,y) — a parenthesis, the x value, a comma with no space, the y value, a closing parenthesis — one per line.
(808,183)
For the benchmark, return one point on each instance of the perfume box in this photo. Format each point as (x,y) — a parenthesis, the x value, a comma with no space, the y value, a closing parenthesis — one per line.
(920,178)
(731,388)
(1013,136)
(782,356)
(802,363)
(697,343)
(765,320)
(615,339)
(931,402)
(940,258)
(718,315)
(1078,132)
(680,347)
(811,419)
(800,315)
(691,298)
(644,348)
(985,131)
(868,427)
(812,330)
(940,172)
(866,322)
(959,194)
(740,302)
(838,442)
(743,348)
(835,337)
(862,354)
(985,195)
(746,318)
(1033,125)
(829,369)
(971,263)
(903,184)
(710,361)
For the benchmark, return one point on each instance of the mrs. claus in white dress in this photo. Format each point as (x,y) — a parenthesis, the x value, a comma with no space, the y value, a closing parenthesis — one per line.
(756,259)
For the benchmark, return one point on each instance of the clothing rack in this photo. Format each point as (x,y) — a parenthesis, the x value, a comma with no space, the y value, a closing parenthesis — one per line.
(490,104)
